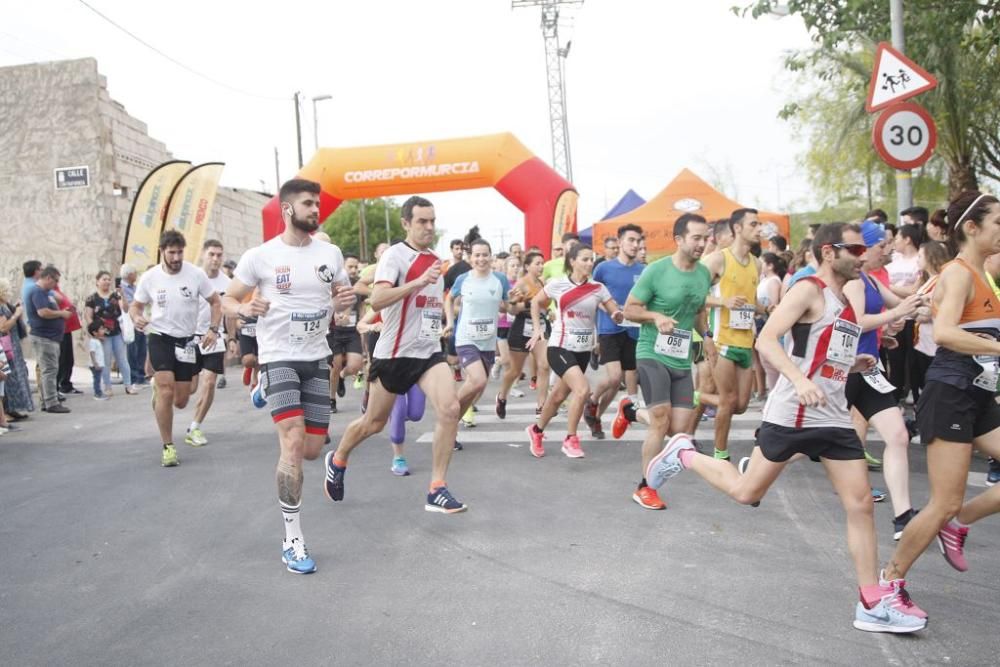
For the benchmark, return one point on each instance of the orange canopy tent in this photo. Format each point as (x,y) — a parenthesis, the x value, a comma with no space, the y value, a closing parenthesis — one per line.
(687,193)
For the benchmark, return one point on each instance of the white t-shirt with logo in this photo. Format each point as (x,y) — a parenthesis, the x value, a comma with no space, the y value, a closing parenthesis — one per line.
(576,311)
(412,326)
(173,298)
(219,283)
(298,282)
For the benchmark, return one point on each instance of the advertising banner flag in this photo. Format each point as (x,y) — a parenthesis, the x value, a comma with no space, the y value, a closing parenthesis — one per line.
(145,221)
(190,206)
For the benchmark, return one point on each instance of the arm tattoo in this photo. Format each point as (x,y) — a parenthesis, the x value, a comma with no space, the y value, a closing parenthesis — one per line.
(289,477)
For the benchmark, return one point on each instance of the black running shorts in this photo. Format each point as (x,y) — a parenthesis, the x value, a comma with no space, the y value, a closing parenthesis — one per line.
(344,340)
(400,374)
(618,347)
(561,360)
(163,353)
(516,338)
(948,413)
(248,345)
(780,443)
(868,400)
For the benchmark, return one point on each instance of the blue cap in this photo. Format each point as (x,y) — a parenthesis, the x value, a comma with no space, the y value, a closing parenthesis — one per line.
(872,232)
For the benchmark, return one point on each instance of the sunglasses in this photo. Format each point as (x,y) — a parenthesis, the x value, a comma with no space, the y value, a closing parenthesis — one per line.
(856,249)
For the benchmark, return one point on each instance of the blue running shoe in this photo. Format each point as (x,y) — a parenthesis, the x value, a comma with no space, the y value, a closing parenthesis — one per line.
(667,463)
(257,395)
(399,467)
(993,476)
(296,557)
(333,485)
(878,495)
(891,614)
(441,500)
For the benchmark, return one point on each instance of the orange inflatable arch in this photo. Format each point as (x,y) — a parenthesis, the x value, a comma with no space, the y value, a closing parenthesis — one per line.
(500,161)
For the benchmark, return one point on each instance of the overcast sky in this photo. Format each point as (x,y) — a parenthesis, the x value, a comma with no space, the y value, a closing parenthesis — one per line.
(653,86)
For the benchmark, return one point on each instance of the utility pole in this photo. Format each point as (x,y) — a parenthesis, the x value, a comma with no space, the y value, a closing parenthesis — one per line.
(298,128)
(385,207)
(362,230)
(904,178)
(277,172)
(555,70)
(318,98)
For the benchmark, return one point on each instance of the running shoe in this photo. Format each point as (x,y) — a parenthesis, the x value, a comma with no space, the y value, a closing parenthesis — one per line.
(333,485)
(495,372)
(333,406)
(296,558)
(903,600)
(247,375)
(169,457)
(710,412)
(742,467)
(899,523)
(196,438)
(533,385)
(457,447)
(258,396)
(590,413)
(722,454)
(878,495)
(516,393)
(359,381)
(993,476)
(621,422)
(536,440)
(889,615)
(873,463)
(951,542)
(341,387)
(221,384)
(469,418)
(399,467)
(597,431)
(648,498)
(667,463)
(441,500)
(501,407)
(571,447)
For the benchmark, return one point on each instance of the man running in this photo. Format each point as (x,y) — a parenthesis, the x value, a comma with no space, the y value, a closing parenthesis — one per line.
(409,292)
(298,280)
(736,271)
(173,288)
(617,343)
(806,414)
(210,363)
(669,302)
(346,353)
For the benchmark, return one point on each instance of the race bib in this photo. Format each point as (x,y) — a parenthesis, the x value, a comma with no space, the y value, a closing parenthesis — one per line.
(676,344)
(629,324)
(843,347)
(529,329)
(219,346)
(741,319)
(579,340)
(186,354)
(483,328)
(306,327)
(249,330)
(430,325)
(877,381)
(990,374)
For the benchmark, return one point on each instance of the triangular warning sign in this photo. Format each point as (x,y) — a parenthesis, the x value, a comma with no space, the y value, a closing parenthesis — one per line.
(895,78)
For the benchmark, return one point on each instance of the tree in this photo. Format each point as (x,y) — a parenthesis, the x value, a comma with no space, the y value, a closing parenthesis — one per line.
(957,40)
(344,224)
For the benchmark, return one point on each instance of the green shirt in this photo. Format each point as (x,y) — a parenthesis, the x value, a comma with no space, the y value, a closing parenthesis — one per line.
(554,268)
(677,294)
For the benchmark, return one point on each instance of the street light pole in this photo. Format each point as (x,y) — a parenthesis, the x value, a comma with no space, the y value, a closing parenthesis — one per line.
(298,128)
(318,98)
(904,178)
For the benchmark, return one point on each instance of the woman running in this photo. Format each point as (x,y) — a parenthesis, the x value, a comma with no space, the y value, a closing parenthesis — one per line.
(511,269)
(957,409)
(772,272)
(521,331)
(577,299)
(931,258)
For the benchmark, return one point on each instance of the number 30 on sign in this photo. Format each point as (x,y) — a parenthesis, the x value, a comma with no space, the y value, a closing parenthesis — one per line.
(904,136)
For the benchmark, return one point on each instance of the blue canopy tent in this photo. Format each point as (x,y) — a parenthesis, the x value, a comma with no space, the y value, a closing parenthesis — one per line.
(629,201)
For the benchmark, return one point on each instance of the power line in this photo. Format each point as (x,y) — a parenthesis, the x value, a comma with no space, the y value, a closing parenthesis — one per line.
(177,62)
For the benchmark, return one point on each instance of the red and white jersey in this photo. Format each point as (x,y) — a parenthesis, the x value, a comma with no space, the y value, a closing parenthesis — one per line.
(412,326)
(824,351)
(576,310)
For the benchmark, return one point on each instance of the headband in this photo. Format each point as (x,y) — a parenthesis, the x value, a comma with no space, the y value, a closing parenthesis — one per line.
(968,210)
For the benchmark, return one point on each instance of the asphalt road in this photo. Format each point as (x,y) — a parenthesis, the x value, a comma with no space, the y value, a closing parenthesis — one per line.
(109,559)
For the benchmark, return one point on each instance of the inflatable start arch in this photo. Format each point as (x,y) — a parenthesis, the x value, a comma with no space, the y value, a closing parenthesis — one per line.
(547,200)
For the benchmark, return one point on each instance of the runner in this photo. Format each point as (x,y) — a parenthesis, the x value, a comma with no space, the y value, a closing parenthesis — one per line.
(346,354)
(481,294)
(556,267)
(512,271)
(577,299)
(668,301)
(869,394)
(736,271)
(806,414)
(173,288)
(409,292)
(521,331)
(210,363)
(617,343)
(300,280)
(957,409)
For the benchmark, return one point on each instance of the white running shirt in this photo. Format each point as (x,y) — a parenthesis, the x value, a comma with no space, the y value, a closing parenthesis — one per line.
(412,326)
(219,283)
(298,282)
(173,298)
(576,311)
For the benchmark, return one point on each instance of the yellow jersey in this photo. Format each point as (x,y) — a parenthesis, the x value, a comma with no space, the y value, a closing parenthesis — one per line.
(736,327)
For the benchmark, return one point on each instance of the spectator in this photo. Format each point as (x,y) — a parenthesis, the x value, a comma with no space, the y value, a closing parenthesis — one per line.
(137,348)
(228,267)
(877,215)
(105,306)
(64,378)
(95,346)
(17,394)
(915,215)
(777,244)
(48,323)
(937,226)
(31,270)
(811,232)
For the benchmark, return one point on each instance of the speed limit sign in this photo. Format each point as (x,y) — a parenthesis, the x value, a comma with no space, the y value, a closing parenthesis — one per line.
(904,136)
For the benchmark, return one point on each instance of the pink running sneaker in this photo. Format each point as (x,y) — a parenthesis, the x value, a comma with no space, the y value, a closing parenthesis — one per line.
(536,438)
(571,447)
(951,541)
(901,600)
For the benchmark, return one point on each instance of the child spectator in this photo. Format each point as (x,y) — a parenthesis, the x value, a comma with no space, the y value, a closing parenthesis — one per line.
(96,346)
